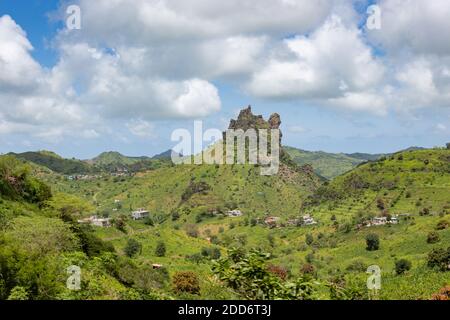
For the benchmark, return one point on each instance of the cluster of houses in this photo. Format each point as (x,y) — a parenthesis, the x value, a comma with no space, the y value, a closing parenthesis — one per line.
(382,221)
(306,220)
(106,222)
(84,177)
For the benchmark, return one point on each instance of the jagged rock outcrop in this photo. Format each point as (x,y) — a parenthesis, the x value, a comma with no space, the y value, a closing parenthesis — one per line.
(247,120)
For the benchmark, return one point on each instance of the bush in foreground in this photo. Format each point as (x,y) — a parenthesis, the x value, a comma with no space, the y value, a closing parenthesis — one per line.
(186,282)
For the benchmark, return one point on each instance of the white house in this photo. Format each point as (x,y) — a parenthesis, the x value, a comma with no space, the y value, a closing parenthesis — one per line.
(96,221)
(140,214)
(235,213)
(394,220)
(308,220)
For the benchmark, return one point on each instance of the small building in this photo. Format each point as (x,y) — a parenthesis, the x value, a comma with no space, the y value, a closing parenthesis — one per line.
(235,213)
(101,222)
(117,201)
(140,214)
(308,220)
(157,266)
(394,220)
(96,221)
(379,221)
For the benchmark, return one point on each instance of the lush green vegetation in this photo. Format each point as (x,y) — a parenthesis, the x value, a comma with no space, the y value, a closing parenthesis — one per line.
(189,248)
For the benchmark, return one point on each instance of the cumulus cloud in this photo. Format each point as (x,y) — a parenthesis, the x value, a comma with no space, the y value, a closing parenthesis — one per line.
(333,65)
(18,70)
(414,25)
(144,60)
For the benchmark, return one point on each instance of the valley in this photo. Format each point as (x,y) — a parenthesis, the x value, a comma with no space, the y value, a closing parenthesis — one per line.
(203,225)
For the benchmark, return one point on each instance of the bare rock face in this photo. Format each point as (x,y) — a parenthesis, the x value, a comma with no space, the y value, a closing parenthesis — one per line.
(275,121)
(247,120)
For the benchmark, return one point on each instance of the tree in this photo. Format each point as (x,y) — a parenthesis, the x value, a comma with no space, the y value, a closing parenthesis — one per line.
(191,230)
(132,248)
(309,239)
(448,145)
(402,265)
(439,258)
(442,225)
(433,237)
(175,216)
(373,242)
(249,277)
(120,223)
(186,282)
(380,204)
(160,250)
(148,221)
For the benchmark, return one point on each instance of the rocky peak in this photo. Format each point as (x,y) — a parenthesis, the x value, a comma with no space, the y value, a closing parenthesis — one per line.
(247,120)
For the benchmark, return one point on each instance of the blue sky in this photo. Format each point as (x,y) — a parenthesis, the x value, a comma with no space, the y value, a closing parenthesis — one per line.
(385,102)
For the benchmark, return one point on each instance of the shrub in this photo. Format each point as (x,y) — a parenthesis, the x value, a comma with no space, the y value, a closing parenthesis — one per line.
(160,250)
(186,282)
(120,224)
(149,221)
(211,253)
(433,237)
(373,242)
(380,204)
(309,239)
(308,269)
(192,231)
(357,266)
(18,293)
(175,216)
(280,271)
(249,277)
(439,258)
(442,225)
(402,265)
(132,248)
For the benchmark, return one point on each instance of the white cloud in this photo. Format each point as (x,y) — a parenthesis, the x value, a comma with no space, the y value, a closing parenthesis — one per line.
(297,129)
(160,59)
(141,128)
(416,25)
(331,66)
(18,70)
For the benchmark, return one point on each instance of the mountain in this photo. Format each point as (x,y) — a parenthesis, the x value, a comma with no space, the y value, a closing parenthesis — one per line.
(365,156)
(411,177)
(113,158)
(210,187)
(331,165)
(55,162)
(327,165)
(189,205)
(166,155)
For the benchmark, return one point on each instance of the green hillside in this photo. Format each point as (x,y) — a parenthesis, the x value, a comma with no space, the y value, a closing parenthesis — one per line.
(328,165)
(115,158)
(191,248)
(56,163)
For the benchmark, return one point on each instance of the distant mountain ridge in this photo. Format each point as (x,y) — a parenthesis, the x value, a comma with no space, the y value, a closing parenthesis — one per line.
(331,165)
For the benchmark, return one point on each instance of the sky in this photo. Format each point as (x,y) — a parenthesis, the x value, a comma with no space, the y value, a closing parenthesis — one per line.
(136,70)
